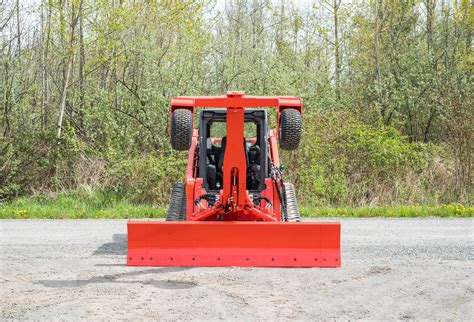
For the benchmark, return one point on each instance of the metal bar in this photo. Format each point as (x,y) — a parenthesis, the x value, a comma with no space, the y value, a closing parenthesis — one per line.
(207,213)
(233,99)
(234,158)
(259,214)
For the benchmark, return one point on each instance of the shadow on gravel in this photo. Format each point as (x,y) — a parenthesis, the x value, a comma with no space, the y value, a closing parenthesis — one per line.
(115,278)
(117,247)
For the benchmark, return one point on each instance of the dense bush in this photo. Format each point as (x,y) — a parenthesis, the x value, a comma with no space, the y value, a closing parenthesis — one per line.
(345,161)
(341,161)
(147,178)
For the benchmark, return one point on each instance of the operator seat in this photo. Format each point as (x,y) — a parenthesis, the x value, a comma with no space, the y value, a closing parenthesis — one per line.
(220,160)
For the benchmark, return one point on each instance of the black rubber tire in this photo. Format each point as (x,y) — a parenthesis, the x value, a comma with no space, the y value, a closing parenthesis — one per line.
(181,129)
(177,207)
(292,211)
(290,129)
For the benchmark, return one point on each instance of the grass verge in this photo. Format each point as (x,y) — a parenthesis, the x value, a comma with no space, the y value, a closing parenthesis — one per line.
(449,210)
(73,206)
(111,205)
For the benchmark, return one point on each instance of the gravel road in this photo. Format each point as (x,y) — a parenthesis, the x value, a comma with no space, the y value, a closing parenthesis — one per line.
(392,269)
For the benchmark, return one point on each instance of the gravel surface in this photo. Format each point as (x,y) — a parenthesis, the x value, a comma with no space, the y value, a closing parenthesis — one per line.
(392,269)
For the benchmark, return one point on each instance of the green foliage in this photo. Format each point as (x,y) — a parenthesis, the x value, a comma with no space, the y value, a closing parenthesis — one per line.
(390,124)
(346,161)
(148,178)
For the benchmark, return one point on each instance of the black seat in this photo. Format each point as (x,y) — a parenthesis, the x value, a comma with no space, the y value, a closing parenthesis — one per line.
(211,176)
(220,160)
(254,154)
(220,157)
(253,169)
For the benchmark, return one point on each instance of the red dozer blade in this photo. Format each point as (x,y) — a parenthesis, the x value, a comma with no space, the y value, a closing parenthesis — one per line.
(232,243)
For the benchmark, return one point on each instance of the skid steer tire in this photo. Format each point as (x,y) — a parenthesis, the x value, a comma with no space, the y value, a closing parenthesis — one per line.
(177,207)
(290,129)
(292,211)
(181,129)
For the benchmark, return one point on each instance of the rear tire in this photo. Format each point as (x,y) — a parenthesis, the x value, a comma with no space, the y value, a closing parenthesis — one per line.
(181,129)
(292,211)
(290,129)
(177,207)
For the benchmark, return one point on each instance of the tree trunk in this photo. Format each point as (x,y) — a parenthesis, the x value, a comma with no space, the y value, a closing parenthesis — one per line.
(64,96)
(18,31)
(377,59)
(337,54)
(67,70)
(43,70)
(82,60)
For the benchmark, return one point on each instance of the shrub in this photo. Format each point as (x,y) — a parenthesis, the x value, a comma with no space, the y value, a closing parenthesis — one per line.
(345,161)
(147,178)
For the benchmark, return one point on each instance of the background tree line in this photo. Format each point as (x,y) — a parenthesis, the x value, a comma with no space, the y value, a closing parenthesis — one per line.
(387,90)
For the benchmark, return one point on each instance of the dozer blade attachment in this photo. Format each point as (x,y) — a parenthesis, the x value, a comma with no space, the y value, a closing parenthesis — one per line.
(200,243)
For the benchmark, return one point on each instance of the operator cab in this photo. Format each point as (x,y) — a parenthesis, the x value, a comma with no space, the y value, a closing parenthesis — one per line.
(213,145)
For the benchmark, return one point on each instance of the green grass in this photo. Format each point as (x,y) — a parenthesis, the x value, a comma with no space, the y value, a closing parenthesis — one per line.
(73,205)
(112,205)
(448,210)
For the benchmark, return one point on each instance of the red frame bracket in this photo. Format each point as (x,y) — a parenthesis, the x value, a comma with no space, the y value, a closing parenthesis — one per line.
(237,99)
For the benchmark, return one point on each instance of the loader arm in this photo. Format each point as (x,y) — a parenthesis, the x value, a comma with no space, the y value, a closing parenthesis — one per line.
(235,166)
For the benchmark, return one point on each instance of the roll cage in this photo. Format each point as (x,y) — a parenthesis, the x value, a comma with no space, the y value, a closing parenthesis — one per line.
(256,151)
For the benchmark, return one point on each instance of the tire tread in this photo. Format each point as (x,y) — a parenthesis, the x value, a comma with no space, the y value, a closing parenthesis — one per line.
(290,129)
(181,129)
(177,206)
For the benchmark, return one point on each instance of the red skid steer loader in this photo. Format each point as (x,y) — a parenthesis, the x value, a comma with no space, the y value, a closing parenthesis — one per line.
(234,208)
